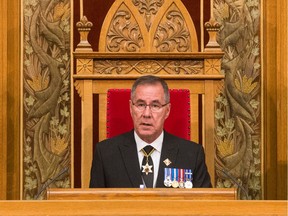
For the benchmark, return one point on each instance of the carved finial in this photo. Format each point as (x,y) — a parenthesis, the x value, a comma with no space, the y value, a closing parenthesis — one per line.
(212,27)
(84,26)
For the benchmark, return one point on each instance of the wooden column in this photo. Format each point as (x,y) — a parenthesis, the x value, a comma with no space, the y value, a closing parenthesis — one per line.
(275,98)
(3,99)
(282,61)
(9,99)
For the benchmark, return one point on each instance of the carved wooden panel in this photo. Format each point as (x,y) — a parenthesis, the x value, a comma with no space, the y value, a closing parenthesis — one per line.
(148,26)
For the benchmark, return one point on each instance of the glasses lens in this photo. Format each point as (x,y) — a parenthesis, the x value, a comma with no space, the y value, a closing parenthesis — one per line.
(154,107)
(140,106)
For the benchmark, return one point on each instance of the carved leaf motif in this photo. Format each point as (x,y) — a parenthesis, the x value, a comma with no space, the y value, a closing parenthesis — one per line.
(38,83)
(148,8)
(245,84)
(225,147)
(110,67)
(59,145)
(238,37)
(124,34)
(173,34)
(185,67)
(148,67)
(46,87)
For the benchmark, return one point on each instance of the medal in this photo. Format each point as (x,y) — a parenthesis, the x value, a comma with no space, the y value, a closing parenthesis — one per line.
(181,184)
(168,182)
(188,179)
(181,178)
(175,183)
(188,184)
(178,178)
(167,177)
(147,168)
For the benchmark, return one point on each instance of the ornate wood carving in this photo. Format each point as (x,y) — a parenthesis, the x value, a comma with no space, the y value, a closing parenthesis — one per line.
(124,34)
(212,66)
(84,26)
(153,66)
(84,66)
(148,9)
(212,27)
(79,85)
(148,26)
(172,33)
(46,96)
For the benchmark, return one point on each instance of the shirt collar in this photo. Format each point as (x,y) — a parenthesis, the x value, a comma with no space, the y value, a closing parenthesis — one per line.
(157,144)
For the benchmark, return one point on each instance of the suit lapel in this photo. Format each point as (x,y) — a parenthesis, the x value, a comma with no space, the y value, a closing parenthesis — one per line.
(169,151)
(130,157)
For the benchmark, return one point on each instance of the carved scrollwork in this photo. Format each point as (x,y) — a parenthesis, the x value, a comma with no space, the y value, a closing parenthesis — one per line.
(186,67)
(148,9)
(124,34)
(172,34)
(149,66)
(112,67)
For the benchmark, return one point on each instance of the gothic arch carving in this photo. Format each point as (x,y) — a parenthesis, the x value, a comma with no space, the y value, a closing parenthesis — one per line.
(157,26)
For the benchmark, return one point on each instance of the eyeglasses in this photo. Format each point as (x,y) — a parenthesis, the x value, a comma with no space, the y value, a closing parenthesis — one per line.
(154,107)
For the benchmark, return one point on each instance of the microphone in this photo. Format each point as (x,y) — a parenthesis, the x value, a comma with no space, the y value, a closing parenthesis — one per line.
(232,178)
(46,185)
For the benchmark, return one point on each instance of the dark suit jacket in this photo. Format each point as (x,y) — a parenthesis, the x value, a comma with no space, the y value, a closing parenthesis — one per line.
(116,165)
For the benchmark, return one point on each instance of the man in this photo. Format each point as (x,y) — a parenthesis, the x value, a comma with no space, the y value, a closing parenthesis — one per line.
(122,161)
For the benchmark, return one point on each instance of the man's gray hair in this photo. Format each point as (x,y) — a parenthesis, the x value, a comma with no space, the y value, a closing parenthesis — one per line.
(150,79)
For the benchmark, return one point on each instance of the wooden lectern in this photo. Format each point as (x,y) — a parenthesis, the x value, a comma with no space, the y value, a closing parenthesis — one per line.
(142,194)
(153,202)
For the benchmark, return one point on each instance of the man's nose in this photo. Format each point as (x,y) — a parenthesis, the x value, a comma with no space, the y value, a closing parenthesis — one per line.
(147,111)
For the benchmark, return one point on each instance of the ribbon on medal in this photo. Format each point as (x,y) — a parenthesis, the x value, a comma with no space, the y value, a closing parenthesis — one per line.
(167,177)
(188,178)
(178,178)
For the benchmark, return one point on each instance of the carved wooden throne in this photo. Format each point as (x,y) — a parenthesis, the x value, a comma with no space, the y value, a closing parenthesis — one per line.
(134,42)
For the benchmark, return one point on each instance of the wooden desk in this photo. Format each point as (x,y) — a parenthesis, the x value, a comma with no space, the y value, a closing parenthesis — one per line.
(143,207)
(142,194)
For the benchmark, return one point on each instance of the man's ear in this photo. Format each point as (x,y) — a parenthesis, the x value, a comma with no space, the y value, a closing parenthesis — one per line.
(168,108)
(130,107)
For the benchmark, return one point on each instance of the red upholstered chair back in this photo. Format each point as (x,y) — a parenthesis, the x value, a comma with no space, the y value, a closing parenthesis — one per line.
(119,119)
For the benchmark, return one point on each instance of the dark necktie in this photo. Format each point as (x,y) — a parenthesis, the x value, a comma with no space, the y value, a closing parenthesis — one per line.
(147,166)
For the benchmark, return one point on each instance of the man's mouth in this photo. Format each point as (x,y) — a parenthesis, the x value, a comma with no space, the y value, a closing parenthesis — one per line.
(146,124)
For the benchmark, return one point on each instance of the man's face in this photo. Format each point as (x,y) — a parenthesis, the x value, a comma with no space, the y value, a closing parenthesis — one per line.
(148,124)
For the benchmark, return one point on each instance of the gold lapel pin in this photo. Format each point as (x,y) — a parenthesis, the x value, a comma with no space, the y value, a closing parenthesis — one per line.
(167,162)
